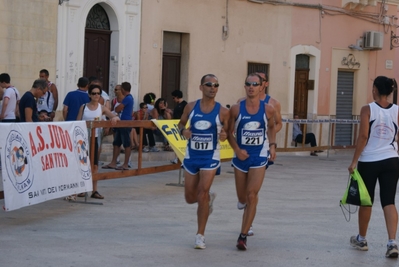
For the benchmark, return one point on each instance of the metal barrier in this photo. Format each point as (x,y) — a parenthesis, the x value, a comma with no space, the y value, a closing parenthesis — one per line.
(326,139)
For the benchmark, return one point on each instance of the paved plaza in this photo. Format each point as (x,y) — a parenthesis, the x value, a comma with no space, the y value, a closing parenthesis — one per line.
(144,222)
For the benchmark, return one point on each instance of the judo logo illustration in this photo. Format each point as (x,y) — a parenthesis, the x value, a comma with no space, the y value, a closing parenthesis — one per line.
(18,162)
(82,152)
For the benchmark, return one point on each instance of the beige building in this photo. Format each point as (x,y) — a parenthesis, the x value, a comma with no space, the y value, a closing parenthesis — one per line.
(321,57)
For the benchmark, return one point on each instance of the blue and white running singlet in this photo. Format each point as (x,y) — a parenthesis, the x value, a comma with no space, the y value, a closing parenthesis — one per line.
(251,131)
(204,141)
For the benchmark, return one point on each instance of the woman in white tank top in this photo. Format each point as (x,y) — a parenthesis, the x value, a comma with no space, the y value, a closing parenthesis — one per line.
(376,159)
(93,111)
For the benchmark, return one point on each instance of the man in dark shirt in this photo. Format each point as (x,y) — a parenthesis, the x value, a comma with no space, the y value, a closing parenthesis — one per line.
(27,104)
(180,104)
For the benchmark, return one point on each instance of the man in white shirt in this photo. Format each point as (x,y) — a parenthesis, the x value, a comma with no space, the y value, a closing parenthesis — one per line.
(9,110)
(48,102)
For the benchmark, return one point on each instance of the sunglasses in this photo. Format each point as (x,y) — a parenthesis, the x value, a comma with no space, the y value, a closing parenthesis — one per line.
(144,107)
(209,84)
(254,84)
(96,93)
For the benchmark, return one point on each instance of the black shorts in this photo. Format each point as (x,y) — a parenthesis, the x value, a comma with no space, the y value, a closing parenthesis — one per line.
(386,172)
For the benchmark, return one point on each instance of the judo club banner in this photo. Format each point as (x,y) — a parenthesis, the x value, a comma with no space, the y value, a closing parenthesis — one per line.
(171,132)
(43,161)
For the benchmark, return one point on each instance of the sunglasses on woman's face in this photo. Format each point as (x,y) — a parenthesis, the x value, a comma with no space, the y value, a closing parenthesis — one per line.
(95,93)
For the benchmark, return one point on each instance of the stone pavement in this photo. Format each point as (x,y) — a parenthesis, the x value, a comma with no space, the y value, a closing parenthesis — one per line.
(143,222)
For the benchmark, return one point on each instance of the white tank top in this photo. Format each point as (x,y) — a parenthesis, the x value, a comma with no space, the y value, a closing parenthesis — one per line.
(115,105)
(46,102)
(93,115)
(381,142)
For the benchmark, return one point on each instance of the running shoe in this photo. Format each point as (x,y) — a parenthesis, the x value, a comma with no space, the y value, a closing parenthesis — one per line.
(360,245)
(250,231)
(241,206)
(199,242)
(392,251)
(146,150)
(212,196)
(242,243)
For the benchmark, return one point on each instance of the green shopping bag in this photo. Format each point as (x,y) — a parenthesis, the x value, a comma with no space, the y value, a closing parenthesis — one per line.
(356,193)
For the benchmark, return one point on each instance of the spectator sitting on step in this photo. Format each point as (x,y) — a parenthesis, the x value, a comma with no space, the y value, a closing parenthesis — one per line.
(142,114)
(297,136)
(149,99)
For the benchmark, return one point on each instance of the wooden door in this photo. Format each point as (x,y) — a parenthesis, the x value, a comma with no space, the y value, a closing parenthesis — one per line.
(170,77)
(301,93)
(96,58)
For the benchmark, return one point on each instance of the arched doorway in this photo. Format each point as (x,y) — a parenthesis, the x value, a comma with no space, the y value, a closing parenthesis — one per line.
(97,45)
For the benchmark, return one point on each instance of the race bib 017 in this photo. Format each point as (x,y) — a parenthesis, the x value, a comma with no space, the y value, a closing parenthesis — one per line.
(202,142)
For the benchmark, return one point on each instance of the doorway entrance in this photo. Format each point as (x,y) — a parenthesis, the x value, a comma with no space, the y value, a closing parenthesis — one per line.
(171,65)
(301,86)
(97,46)
(170,76)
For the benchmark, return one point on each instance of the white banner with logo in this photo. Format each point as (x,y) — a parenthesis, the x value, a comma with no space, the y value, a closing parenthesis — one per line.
(43,161)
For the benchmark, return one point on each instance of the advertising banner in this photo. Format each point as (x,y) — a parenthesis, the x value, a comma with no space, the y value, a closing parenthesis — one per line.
(171,132)
(43,161)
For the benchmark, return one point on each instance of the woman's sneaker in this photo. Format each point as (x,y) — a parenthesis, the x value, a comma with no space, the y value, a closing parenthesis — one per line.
(360,245)
(71,198)
(392,251)
(199,242)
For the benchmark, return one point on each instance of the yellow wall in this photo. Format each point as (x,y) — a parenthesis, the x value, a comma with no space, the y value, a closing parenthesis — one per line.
(28,33)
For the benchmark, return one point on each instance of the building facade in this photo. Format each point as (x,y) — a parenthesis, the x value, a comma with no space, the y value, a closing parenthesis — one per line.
(314,54)
(321,58)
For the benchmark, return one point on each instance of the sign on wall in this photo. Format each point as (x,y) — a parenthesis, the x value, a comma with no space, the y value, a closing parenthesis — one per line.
(43,161)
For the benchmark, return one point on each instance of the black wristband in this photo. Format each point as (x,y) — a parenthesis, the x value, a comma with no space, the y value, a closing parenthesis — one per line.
(273,144)
(181,131)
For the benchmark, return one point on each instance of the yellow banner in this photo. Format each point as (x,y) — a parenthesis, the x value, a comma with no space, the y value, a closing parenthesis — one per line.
(171,132)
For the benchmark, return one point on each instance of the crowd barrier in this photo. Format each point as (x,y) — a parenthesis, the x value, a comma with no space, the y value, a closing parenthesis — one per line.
(324,131)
